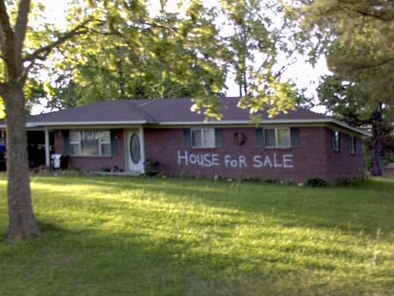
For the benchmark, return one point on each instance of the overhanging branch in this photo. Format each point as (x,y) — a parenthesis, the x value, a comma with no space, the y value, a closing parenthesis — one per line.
(43,52)
(380,15)
(370,66)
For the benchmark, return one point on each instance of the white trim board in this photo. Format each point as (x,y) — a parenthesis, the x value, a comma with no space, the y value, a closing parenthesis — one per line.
(97,124)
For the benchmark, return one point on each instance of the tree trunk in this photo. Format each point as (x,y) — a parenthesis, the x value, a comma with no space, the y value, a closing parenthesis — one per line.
(22,223)
(377,142)
(121,80)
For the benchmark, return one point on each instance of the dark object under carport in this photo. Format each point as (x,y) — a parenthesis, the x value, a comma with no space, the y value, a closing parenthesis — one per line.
(3,165)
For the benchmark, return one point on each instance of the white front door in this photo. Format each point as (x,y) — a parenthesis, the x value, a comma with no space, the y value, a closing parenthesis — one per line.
(135,153)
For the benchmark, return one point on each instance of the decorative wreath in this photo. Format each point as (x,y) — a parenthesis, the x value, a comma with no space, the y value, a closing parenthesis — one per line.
(239,138)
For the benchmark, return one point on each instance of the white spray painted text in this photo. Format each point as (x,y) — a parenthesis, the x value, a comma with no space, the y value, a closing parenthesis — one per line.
(272,160)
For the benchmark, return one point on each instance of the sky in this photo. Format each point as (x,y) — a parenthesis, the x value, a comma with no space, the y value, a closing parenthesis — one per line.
(303,74)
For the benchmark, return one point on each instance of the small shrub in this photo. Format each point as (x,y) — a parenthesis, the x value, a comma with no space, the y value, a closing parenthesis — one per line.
(348,181)
(251,180)
(316,182)
(287,182)
(271,181)
(151,167)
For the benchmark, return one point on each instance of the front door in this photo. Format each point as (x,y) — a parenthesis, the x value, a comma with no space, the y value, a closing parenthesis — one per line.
(134,151)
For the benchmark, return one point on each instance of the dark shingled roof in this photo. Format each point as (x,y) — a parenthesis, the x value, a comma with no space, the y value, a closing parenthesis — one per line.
(111,111)
(157,111)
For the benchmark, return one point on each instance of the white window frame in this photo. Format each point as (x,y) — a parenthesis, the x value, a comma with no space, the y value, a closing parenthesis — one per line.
(203,144)
(336,145)
(353,145)
(78,143)
(100,142)
(276,137)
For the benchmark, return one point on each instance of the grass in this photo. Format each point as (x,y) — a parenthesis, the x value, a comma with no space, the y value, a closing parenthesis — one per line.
(141,236)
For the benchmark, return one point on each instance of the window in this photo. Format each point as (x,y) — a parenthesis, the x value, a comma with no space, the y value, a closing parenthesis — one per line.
(277,137)
(336,141)
(352,145)
(203,138)
(89,143)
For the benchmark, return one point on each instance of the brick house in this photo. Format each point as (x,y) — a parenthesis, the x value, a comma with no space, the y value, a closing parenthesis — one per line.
(123,135)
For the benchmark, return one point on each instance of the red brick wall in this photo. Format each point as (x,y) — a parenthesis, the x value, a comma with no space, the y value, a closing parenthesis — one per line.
(389,172)
(341,164)
(93,163)
(314,157)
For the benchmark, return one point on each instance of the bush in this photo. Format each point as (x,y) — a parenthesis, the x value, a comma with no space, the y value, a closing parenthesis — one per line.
(151,167)
(348,181)
(316,182)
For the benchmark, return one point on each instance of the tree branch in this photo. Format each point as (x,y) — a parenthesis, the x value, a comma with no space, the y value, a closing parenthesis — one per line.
(6,35)
(3,87)
(3,47)
(364,12)
(370,66)
(5,21)
(43,52)
(21,25)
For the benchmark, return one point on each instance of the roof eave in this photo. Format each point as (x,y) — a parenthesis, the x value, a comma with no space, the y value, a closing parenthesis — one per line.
(188,123)
(270,121)
(86,123)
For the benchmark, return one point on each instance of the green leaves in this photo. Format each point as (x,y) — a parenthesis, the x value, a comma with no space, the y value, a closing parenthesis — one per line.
(2,109)
(254,46)
(357,40)
(133,51)
(136,55)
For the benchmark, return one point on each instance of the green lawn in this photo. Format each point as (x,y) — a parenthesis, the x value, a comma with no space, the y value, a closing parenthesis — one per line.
(141,236)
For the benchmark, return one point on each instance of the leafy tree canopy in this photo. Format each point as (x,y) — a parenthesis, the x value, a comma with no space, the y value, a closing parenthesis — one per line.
(140,54)
(357,38)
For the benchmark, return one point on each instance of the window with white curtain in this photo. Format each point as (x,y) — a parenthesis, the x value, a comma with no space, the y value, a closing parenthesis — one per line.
(203,138)
(90,143)
(277,137)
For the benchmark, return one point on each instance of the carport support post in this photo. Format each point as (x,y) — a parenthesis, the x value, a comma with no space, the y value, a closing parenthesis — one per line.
(47,149)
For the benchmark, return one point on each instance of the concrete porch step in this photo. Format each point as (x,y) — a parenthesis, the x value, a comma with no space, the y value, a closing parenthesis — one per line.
(124,174)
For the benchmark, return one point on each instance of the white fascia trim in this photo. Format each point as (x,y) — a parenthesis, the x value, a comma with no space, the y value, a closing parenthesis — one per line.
(342,124)
(247,122)
(85,123)
(272,121)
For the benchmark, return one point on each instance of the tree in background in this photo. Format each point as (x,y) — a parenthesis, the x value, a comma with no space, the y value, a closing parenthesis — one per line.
(183,54)
(137,55)
(347,101)
(357,38)
(257,36)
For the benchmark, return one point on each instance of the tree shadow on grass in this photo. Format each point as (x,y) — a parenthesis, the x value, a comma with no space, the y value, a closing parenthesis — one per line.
(366,208)
(97,262)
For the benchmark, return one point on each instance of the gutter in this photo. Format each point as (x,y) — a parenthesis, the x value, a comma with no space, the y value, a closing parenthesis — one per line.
(273,121)
(195,123)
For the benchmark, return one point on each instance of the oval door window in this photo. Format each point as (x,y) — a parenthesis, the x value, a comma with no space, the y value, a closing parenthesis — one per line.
(135,150)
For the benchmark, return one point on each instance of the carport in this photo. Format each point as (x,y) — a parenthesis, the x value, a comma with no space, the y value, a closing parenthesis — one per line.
(40,146)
